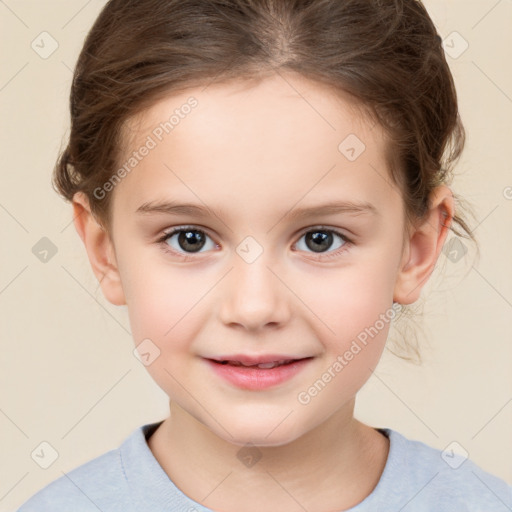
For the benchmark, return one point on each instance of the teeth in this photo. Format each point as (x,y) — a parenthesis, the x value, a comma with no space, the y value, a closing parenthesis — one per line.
(268,365)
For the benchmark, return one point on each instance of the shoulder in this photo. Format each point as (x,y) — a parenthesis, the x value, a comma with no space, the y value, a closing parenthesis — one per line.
(99,484)
(443,479)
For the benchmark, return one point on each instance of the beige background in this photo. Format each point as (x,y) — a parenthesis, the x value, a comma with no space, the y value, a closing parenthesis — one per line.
(68,375)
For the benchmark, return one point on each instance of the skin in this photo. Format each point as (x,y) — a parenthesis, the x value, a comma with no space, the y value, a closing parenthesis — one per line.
(253,153)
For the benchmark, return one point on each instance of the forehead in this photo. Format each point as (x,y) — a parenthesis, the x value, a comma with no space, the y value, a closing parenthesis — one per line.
(281,139)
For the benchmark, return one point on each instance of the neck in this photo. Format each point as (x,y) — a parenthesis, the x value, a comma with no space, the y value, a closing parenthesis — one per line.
(334,466)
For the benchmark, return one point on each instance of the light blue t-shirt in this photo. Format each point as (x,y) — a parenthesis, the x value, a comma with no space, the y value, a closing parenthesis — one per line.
(416,478)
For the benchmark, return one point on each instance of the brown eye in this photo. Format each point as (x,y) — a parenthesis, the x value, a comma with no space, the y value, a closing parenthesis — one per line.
(318,241)
(191,240)
(188,240)
(321,240)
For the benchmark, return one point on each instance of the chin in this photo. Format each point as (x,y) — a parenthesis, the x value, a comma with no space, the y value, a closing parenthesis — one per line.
(263,432)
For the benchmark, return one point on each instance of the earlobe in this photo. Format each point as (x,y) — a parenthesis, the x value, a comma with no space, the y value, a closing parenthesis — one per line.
(424,246)
(100,250)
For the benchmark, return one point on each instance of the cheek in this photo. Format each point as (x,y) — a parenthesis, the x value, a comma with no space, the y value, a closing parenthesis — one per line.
(165,306)
(160,300)
(349,299)
(164,299)
(144,286)
(355,313)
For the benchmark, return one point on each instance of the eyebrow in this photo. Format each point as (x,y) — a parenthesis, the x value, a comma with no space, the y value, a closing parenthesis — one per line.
(334,207)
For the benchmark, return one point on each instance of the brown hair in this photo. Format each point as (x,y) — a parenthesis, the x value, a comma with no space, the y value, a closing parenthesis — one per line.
(386,54)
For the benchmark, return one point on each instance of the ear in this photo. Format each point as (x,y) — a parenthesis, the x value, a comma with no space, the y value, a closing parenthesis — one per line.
(100,250)
(422,249)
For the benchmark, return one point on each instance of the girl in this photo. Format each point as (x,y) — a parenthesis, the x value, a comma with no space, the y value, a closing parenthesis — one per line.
(264,185)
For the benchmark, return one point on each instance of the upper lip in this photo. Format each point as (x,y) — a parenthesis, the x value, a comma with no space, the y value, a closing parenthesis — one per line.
(257,359)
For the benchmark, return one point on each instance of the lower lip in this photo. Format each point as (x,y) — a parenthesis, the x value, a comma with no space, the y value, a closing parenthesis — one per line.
(258,378)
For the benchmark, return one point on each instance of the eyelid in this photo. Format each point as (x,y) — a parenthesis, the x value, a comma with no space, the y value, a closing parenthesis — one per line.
(176,229)
(322,227)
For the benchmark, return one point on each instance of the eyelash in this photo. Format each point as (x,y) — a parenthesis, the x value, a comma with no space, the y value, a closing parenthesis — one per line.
(162,241)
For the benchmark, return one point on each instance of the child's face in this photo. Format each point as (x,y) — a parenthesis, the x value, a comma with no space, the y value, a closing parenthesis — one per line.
(255,157)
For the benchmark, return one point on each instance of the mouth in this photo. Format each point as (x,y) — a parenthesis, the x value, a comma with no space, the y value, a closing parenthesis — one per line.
(258,373)
(263,366)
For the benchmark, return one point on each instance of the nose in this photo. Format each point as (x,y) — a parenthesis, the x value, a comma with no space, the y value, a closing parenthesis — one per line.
(252,296)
